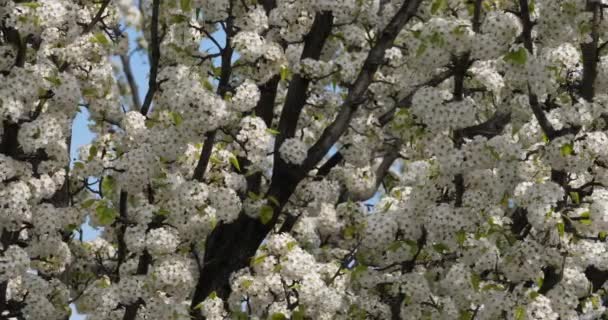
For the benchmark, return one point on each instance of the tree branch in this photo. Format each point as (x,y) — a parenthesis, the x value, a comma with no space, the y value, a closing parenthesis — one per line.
(332,133)
(590,53)
(97,17)
(298,87)
(381,172)
(154,58)
(126,67)
(222,88)
(406,101)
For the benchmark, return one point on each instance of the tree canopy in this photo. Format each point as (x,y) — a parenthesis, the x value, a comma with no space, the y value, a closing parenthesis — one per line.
(320,159)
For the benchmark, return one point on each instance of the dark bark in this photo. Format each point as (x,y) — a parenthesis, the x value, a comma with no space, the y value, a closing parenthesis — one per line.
(154,58)
(230,246)
(203,160)
(142,268)
(355,96)
(222,89)
(126,66)
(590,53)
(98,16)
(298,87)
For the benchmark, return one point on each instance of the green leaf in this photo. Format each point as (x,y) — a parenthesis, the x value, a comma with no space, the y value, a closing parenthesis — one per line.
(475,281)
(105,215)
(186,5)
(213,295)
(78,165)
(540,282)
(257,260)
(576,198)
(531,6)
(215,160)
(162,212)
(88,203)
(421,49)
(471,9)
(272,131)
(461,237)
(545,138)
(31,5)
(273,200)
(207,85)
(459,30)
(358,270)
(291,245)
(53,80)
(440,248)
(602,235)
(517,57)
(586,218)
(92,152)
(437,39)
(278,316)
(349,232)
(253,196)
(566,149)
(285,73)
(235,162)
(107,185)
(438,5)
(100,38)
(178,18)
(177,118)
(217,70)
(247,283)
(465,315)
(71,227)
(493,286)
(520,313)
(266,213)
(561,229)
(89,92)
(239,315)
(394,246)
(298,314)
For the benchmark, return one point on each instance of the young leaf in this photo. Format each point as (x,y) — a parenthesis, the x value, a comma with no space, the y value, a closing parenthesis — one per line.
(518,57)
(235,162)
(566,149)
(266,213)
(185,5)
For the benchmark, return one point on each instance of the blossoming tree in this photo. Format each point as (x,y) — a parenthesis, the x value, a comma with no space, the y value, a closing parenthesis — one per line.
(237,187)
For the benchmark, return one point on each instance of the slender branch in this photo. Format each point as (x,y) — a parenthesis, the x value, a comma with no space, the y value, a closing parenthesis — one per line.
(298,87)
(332,133)
(203,160)
(527,25)
(489,128)
(590,53)
(142,269)
(222,89)
(154,58)
(477,16)
(532,98)
(330,164)
(97,17)
(406,101)
(126,67)
(381,172)
(122,245)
